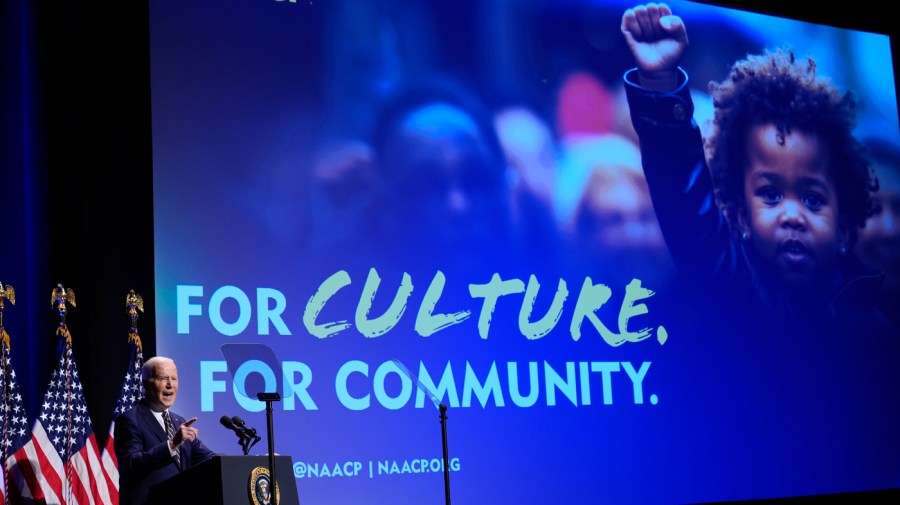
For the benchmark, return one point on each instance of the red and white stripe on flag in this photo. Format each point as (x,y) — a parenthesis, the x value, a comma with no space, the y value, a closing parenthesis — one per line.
(132,391)
(61,462)
(15,428)
(111,466)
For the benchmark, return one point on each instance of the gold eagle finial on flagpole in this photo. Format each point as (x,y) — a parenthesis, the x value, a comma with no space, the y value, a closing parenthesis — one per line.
(59,297)
(6,293)
(135,303)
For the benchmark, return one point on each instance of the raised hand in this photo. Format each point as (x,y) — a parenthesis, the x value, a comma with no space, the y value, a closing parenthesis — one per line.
(657,40)
(185,432)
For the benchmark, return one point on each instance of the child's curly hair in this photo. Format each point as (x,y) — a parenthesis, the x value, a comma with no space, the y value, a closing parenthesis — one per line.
(775,88)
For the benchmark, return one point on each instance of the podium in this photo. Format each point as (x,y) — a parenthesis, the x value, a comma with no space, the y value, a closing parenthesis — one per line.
(225,480)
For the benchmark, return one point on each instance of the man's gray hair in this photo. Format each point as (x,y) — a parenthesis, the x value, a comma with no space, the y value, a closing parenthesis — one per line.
(150,366)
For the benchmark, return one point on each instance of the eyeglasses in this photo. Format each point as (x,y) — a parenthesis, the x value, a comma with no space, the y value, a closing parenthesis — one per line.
(158,378)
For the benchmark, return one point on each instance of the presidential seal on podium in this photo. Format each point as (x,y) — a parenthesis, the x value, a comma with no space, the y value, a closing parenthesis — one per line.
(260,487)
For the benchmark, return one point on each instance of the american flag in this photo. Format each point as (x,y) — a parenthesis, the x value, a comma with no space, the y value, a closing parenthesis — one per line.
(132,391)
(63,455)
(15,432)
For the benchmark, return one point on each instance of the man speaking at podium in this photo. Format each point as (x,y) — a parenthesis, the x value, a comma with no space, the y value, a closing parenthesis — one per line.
(152,443)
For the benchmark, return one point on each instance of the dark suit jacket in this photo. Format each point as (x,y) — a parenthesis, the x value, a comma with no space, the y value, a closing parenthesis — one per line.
(143,453)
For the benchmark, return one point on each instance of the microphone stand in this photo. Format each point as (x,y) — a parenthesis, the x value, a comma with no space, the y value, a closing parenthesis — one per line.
(270,431)
(247,440)
(443,408)
(446,453)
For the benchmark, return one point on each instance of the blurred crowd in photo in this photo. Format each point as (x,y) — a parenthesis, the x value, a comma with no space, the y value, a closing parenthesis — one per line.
(497,133)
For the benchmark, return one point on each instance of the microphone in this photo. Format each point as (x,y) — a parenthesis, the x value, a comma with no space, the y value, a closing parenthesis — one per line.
(245,430)
(228,423)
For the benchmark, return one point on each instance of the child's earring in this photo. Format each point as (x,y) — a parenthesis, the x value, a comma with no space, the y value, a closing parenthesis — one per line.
(745,235)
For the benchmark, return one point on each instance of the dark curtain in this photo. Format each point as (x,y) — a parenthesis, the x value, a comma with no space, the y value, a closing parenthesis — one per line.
(76,189)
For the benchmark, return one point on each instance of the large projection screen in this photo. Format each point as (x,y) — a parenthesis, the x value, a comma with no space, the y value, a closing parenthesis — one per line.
(415,203)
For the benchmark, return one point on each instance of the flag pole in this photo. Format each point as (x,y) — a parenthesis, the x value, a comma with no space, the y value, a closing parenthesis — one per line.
(131,392)
(60,296)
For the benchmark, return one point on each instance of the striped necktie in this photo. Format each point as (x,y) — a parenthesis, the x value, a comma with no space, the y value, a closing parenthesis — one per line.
(170,432)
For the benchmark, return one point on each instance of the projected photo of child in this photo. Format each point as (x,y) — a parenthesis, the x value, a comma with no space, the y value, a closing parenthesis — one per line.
(774,218)
(761,217)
